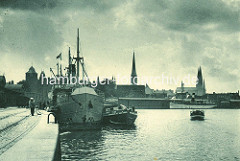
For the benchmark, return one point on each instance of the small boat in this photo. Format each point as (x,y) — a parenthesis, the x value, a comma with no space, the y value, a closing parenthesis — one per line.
(119,115)
(197,115)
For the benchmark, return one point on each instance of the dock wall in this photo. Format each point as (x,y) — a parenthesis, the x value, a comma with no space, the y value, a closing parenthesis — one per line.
(145,103)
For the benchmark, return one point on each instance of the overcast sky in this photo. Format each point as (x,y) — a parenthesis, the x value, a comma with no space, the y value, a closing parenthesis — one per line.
(174,37)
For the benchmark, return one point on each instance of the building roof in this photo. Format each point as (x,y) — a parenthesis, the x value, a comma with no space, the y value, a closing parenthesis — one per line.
(148,90)
(130,86)
(130,90)
(186,89)
(143,99)
(31,70)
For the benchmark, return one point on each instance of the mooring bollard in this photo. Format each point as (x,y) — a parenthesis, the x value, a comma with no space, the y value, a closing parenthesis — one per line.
(55,117)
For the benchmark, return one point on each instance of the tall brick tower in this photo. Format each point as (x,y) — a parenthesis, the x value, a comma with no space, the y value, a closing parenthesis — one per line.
(32,80)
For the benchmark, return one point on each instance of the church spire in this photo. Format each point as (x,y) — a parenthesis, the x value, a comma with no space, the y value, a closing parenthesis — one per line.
(134,73)
(199,77)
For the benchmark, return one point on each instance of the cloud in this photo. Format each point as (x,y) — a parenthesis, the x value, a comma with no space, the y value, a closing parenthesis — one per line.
(98,6)
(29,34)
(171,36)
(194,15)
(28,5)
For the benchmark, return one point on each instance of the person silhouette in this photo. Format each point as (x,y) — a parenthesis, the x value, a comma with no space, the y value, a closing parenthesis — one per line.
(32,106)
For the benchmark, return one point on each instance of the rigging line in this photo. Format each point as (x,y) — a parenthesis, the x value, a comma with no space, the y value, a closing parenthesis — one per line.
(84,70)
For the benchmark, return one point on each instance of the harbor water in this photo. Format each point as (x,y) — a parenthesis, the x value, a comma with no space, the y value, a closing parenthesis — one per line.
(160,135)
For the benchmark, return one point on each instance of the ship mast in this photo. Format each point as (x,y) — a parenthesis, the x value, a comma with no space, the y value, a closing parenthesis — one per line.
(80,60)
(69,57)
(78,57)
(69,63)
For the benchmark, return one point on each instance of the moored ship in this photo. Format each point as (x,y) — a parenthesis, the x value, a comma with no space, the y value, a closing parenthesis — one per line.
(78,107)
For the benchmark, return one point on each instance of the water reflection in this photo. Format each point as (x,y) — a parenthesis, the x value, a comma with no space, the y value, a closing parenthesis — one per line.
(162,135)
(79,145)
(119,127)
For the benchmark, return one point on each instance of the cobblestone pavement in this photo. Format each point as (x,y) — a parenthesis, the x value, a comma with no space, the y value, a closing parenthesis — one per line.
(15,123)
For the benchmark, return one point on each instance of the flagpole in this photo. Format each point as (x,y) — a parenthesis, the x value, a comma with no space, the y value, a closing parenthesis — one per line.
(57,69)
(60,62)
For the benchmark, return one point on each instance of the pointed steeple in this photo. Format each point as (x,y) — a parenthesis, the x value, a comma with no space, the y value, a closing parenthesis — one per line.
(133,65)
(199,77)
(147,86)
(134,73)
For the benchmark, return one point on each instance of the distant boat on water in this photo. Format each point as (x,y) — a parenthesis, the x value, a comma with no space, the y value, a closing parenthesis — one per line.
(197,115)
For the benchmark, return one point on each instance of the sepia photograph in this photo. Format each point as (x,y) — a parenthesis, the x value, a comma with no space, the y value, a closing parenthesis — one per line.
(119,80)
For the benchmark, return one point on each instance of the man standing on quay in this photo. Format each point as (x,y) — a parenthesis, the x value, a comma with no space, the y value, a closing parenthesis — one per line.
(32,105)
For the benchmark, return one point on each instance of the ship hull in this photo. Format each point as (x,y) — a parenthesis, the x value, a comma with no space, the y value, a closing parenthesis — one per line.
(197,117)
(123,118)
(80,111)
(63,127)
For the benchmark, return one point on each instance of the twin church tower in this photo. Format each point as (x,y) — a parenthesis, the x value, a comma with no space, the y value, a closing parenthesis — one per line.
(199,90)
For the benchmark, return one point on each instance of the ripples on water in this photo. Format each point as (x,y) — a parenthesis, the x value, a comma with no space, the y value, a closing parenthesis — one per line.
(160,135)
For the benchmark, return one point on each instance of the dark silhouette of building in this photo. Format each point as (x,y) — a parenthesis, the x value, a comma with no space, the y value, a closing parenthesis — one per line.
(2,93)
(15,95)
(11,94)
(2,81)
(32,84)
(32,80)
(19,94)
(134,80)
(145,103)
(151,93)
(36,88)
(225,100)
(199,90)
(107,86)
(200,83)
(131,91)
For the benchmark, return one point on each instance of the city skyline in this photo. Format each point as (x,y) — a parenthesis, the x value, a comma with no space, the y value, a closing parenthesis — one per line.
(173,37)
